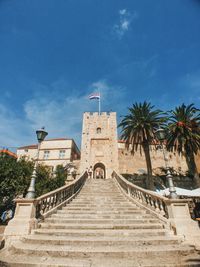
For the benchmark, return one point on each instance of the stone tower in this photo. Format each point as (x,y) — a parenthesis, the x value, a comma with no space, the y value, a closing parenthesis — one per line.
(99,143)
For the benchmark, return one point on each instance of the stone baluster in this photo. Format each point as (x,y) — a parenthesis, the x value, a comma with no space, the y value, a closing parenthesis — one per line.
(28,211)
(175,211)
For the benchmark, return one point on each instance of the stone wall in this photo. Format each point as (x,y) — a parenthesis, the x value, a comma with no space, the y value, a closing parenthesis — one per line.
(161,182)
(136,163)
(99,141)
(197,158)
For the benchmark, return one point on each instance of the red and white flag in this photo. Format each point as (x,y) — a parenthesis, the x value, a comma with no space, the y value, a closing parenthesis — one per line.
(94,96)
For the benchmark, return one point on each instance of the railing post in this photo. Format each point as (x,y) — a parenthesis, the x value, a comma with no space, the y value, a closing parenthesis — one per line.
(24,219)
(181,222)
(128,191)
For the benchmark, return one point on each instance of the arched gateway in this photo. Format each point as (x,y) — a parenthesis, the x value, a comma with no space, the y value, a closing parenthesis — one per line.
(99,171)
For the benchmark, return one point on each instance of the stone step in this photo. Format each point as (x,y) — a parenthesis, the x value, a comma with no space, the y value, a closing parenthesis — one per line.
(100,241)
(112,193)
(102,221)
(101,226)
(89,212)
(101,216)
(106,233)
(100,208)
(86,196)
(101,196)
(139,252)
(100,202)
(33,261)
(37,261)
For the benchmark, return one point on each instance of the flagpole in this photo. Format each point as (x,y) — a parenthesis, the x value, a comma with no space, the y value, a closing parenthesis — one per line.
(99,103)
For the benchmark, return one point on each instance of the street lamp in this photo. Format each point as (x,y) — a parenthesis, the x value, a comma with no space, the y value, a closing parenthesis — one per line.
(161,135)
(41,134)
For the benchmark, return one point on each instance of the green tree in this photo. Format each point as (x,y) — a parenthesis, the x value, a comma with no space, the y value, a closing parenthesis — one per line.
(61,176)
(47,181)
(14,179)
(184,135)
(138,131)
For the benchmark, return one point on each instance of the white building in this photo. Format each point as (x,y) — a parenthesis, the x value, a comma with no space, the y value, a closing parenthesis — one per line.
(53,152)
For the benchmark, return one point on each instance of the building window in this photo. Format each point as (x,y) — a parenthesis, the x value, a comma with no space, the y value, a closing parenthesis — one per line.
(98,130)
(46,154)
(61,154)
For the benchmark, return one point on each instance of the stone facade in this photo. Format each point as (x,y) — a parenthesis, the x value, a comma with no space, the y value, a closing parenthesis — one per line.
(101,149)
(53,152)
(99,143)
(136,163)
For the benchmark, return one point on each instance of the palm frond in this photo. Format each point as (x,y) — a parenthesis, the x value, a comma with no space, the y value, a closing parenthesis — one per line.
(138,127)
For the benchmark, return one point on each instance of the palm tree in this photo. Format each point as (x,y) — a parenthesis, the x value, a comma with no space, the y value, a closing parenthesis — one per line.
(184,135)
(138,131)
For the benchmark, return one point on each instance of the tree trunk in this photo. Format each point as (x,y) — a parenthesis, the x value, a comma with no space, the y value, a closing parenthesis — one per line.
(192,167)
(149,167)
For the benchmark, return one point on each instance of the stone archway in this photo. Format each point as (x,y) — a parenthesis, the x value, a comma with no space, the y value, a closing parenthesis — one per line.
(99,171)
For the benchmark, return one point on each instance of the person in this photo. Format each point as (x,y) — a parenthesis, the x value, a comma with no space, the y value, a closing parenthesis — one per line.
(87,172)
(6,215)
(97,174)
(74,174)
(101,174)
(90,172)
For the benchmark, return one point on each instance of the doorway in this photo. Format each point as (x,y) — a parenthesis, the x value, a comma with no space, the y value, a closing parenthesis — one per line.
(99,171)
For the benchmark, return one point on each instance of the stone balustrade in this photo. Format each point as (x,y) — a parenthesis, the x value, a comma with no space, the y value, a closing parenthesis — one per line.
(148,198)
(194,206)
(174,213)
(29,211)
(48,203)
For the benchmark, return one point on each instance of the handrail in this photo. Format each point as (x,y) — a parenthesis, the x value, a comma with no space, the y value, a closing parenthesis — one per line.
(147,198)
(49,202)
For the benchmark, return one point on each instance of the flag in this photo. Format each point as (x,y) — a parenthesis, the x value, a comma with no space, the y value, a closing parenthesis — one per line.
(94,96)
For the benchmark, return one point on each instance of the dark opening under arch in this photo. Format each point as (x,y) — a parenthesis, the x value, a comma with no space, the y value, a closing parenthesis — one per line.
(99,171)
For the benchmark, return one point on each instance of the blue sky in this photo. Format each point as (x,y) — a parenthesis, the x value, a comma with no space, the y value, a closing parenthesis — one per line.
(54,53)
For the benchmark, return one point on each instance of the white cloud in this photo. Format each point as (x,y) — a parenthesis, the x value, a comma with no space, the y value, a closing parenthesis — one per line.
(61,117)
(13,130)
(125,25)
(125,19)
(110,94)
(122,11)
(190,84)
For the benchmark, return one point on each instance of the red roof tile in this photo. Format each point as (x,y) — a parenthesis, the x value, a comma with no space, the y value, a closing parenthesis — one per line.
(8,152)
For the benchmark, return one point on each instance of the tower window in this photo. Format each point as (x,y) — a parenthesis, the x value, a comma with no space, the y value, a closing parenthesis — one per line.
(98,130)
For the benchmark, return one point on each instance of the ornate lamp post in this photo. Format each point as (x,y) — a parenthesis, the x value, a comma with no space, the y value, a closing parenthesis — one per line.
(161,135)
(41,134)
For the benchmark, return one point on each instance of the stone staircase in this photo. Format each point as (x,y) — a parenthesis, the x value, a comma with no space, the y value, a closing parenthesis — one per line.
(100,228)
